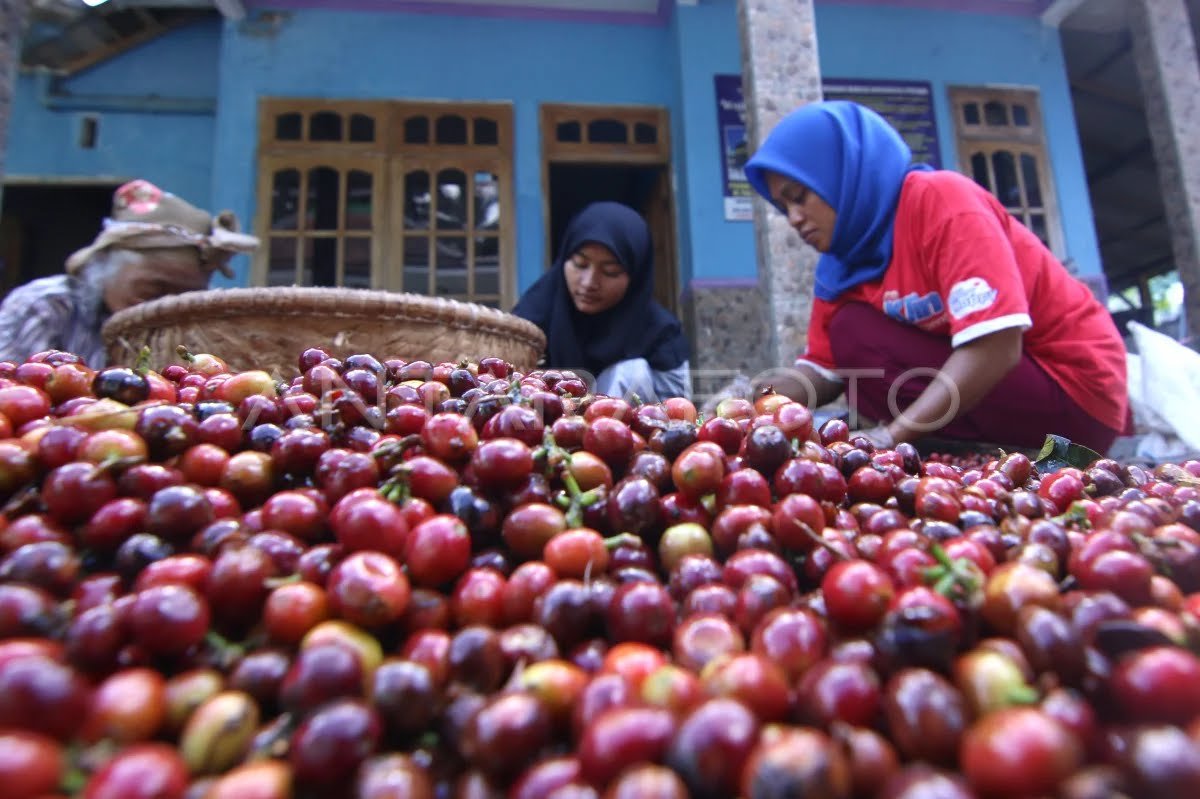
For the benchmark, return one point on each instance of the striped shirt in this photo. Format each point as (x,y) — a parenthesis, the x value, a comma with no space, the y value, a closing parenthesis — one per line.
(59,312)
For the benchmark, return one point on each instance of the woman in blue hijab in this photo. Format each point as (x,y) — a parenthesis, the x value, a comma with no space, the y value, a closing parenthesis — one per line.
(949,314)
(597,308)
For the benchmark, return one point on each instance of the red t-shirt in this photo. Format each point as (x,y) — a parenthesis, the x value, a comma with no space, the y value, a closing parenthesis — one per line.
(963,267)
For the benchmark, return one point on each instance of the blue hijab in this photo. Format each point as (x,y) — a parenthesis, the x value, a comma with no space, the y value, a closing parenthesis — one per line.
(636,327)
(856,162)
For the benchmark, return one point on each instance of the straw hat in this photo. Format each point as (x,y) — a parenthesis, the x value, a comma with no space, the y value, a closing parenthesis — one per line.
(144,217)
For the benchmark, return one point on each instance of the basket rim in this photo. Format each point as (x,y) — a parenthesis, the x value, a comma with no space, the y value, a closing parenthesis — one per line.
(309,302)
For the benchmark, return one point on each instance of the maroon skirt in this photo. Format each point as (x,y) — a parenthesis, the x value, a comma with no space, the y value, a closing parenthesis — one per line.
(1020,410)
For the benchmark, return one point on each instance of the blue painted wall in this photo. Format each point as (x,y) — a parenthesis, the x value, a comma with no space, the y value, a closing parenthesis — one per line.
(212,160)
(430,56)
(680,47)
(709,45)
(861,41)
(951,48)
(174,150)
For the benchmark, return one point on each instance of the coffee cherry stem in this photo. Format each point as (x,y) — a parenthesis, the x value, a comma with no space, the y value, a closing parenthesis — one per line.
(572,486)
(225,651)
(620,540)
(91,416)
(947,569)
(547,461)
(89,758)
(396,447)
(142,364)
(25,500)
(558,464)
(1146,544)
(952,577)
(81,761)
(74,778)
(116,464)
(276,582)
(1022,694)
(395,490)
(553,455)
(821,542)
(1075,514)
(276,745)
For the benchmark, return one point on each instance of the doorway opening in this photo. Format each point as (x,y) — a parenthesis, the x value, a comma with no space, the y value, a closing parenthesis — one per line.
(641,187)
(615,153)
(42,224)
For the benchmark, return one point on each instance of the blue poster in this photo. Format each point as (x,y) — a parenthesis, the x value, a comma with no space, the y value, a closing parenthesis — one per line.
(731,127)
(906,105)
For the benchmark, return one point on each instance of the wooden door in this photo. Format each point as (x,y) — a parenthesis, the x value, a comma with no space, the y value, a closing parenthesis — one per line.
(660,216)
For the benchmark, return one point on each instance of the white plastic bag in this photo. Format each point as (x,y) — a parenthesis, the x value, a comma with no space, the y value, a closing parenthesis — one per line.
(1164,386)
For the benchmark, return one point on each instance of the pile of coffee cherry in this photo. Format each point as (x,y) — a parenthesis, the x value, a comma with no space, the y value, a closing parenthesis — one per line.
(391,578)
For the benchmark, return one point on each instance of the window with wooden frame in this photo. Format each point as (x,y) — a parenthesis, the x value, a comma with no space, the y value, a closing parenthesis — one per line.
(1001,144)
(629,132)
(388,195)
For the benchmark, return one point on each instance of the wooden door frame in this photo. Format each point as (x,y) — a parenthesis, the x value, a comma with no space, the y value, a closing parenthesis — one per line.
(658,153)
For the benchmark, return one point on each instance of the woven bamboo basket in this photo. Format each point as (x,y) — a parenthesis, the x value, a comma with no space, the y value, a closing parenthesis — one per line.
(268,328)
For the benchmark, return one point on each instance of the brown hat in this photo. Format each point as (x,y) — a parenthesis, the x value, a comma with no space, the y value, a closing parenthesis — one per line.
(142,201)
(146,217)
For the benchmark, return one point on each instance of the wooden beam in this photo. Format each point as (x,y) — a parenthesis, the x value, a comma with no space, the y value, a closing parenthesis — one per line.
(1116,236)
(231,9)
(93,56)
(1140,274)
(1108,94)
(1124,47)
(1119,160)
(1057,12)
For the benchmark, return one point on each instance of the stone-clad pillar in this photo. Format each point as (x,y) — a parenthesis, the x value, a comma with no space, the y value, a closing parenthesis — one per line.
(780,72)
(1165,53)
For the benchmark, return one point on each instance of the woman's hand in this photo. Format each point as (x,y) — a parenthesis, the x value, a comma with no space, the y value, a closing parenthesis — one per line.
(739,387)
(879,437)
(966,377)
(804,384)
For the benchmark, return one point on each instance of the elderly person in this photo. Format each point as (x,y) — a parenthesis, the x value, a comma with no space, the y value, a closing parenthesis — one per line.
(154,244)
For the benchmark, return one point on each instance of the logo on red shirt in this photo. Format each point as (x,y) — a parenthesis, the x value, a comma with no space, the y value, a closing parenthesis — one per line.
(913,308)
(970,295)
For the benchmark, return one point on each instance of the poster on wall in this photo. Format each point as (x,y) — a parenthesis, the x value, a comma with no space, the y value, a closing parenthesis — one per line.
(731,130)
(907,105)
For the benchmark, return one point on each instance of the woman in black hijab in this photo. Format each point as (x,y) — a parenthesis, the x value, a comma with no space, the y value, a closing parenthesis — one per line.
(597,308)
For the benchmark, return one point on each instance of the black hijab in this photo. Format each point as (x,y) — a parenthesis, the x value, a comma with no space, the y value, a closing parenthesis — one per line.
(636,327)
